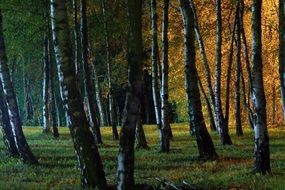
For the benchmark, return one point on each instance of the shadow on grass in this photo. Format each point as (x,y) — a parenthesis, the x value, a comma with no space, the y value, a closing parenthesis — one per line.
(57,165)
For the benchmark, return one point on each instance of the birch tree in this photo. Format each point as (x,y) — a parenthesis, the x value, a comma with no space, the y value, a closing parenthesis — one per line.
(196,119)
(125,171)
(88,158)
(12,104)
(261,151)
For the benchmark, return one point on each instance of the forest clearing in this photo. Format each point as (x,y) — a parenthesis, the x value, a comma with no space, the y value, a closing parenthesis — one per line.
(232,170)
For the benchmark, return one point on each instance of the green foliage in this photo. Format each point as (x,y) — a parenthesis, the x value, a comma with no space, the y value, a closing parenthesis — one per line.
(57,168)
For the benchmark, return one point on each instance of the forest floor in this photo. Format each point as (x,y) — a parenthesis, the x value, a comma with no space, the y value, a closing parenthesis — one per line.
(57,169)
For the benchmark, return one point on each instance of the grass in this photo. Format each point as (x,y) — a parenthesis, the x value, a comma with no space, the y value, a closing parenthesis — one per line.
(57,169)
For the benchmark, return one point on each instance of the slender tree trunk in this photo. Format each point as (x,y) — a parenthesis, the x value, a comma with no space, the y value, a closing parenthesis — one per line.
(203,139)
(46,98)
(98,97)
(247,63)
(12,105)
(239,131)
(205,61)
(208,105)
(262,155)
(155,64)
(76,37)
(118,113)
(229,72)
(53,104)
(282,52)
(125,172)
(217,89)
(245,102)
(7,132)
(165,125)
(88,88)
(111,98)
(222,127)
(89,161)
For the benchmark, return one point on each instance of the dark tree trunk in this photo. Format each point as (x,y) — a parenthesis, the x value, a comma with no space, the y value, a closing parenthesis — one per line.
(109,74)
(208,105)
(155,64)
(221,126)
(239,131)
(89,161)
(125,172)
(282,52)
(245,102)
(262,155)
(165,125)
(141,142)
(118,113)
(205,63)
(247,62)
(46,79)
(88,88)
(12,105)
(7,132)
(53,104)
(203,139)
(146,106)
(247,65)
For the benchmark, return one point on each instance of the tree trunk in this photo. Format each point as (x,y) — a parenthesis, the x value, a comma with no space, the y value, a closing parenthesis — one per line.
(53,104)
(208,105)
(76,37)
(247,65)
(203,139)
(245,102)
(46,98)
(239,131)
(109,74)
(147,105)
(88,88)
(125,172)
(89,161)
(205,62)
(282,52)
(141,142)
(98,97)
(155,64)
(13,109)
(217,89)
(246,56)
(262,156)
(7,132)
(165,125)
(224,133)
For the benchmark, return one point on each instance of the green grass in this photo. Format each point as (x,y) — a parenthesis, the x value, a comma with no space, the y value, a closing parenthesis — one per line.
(57,169)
